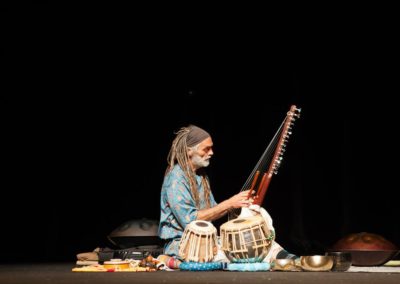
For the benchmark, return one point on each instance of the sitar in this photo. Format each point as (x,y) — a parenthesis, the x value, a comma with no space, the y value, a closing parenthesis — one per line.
(269,163)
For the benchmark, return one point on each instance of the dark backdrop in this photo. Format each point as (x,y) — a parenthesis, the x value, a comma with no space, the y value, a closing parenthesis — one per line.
(89,113)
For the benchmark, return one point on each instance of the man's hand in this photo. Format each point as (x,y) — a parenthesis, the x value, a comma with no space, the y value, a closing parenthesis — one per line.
(240,200)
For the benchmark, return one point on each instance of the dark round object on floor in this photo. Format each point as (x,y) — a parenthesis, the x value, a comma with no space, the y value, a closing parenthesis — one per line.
(367,249)
(136,233)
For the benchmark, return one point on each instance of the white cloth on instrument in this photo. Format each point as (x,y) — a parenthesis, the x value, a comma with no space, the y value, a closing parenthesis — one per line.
(254,210)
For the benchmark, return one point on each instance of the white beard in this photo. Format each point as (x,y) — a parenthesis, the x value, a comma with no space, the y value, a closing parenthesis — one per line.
(200,162)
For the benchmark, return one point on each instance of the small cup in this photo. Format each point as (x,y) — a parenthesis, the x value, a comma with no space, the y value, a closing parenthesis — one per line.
(341,260)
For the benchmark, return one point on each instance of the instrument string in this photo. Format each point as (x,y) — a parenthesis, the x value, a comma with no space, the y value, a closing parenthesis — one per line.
(260,168)
(264,161)
(269,162)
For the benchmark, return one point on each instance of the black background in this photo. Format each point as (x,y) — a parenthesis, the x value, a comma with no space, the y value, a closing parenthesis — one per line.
(90,105)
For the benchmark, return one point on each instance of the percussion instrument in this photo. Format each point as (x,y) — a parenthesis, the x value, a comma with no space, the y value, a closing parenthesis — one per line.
(198,242)
(246,239)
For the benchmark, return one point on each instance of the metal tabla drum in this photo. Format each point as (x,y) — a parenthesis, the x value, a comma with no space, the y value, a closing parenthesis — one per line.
(246,239)
(198,242)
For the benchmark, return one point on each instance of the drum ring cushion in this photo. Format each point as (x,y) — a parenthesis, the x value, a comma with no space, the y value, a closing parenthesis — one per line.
(258,266)
(200,266)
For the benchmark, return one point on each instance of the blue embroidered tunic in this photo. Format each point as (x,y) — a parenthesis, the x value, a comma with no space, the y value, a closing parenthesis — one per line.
(178,208)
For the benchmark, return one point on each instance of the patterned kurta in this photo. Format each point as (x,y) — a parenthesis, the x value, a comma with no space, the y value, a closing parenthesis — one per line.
(178,208)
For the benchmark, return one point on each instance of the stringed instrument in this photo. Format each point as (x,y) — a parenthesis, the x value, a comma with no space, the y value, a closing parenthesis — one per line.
(270,161)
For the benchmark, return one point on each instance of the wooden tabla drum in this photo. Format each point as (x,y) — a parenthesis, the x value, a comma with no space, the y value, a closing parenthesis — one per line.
(246,239)
(198,242)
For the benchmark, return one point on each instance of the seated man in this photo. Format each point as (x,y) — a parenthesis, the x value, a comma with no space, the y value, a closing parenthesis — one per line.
(186,195)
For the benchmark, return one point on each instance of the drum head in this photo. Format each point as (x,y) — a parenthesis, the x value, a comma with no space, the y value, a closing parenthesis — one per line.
(198,242)
(245,222)
(201,227)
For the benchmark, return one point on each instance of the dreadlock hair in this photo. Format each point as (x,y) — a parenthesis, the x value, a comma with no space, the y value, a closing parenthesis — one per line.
(179,154)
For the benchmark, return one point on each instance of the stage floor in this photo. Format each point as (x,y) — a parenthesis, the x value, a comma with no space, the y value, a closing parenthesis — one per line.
(61,273)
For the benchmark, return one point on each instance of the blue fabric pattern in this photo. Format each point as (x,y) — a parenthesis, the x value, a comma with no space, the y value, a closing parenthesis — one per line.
(200,266)
(178,208)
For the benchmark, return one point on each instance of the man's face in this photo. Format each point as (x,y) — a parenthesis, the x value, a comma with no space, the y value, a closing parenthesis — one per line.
(200,155)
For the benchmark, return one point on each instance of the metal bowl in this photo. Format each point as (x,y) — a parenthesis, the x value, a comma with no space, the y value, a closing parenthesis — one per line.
(341,260)
(285,264)
(316,262)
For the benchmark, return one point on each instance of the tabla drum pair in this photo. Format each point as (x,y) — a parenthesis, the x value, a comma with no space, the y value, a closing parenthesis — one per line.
(198,242)
(246,239)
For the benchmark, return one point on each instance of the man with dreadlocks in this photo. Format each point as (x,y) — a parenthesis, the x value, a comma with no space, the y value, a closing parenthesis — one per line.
(186,194)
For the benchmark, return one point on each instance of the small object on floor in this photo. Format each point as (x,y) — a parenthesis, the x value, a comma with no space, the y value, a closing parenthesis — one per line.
(316,262)
(86,262)
(117,264)
(341,260)
(285,264)
(101,268)
(169,261)
(93,255)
